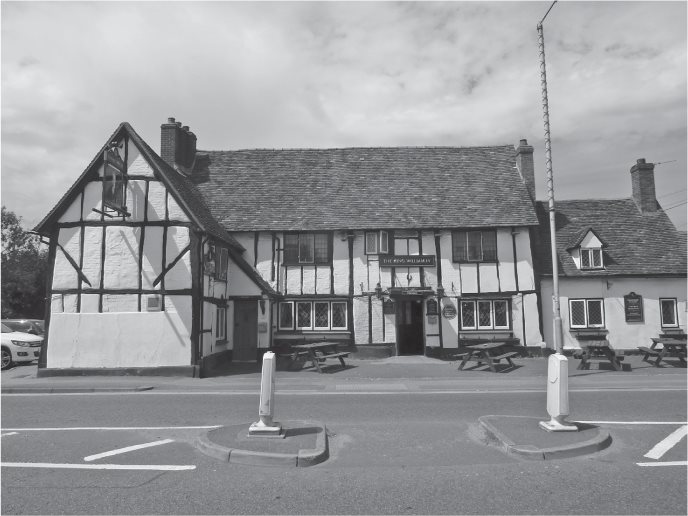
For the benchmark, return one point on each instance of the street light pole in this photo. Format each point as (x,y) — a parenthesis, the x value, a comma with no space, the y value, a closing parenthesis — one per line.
(557,364)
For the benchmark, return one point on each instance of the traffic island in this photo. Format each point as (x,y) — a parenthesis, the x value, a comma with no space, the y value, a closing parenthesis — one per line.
(300,444)
(523,437)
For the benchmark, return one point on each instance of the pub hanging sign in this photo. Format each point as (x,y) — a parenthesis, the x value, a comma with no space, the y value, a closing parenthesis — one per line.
(633,307)
(424,260)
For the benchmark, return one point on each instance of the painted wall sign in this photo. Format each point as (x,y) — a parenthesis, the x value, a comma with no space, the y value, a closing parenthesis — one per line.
(449,311)
(633,307)
(426,260)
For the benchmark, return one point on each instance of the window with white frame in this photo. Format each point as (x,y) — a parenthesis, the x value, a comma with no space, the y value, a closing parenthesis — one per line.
(376,242)
(286,316)
(474,246)
(313,315)
(485,314)
(221,323)
(307,248)
(591,258)
(668,313)
(586,313)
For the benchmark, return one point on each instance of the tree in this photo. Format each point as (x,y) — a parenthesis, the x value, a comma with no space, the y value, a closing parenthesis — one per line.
(24,270)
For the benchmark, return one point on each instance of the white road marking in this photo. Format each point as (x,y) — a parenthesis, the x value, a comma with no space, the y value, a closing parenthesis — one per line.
(70,428)
(343,393)
(9,433)
(673,463)
(634,422)
(127,449)
(667,443)
(143,467)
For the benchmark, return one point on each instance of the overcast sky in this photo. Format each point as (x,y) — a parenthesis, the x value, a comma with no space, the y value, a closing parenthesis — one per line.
(335,74)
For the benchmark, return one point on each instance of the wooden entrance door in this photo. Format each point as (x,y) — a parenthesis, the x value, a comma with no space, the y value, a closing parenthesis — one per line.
(409,319)
(245,328)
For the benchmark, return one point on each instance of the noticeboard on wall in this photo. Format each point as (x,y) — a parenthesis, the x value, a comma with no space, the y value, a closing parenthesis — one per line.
(633,307)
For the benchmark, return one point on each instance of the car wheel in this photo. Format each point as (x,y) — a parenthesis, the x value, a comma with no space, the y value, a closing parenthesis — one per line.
(6,358)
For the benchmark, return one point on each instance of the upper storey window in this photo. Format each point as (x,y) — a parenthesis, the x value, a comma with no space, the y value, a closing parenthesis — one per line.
(586,250)
(474,246)
(307,248)
(114,179)
(591,258)
(376,242)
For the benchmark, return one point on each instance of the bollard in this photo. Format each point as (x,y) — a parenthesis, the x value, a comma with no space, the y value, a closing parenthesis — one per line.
(266,409)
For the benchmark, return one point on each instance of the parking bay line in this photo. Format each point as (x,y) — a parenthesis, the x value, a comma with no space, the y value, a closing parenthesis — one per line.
(667,443)
(672,463)
(107,428)
(127,449)
(138,467)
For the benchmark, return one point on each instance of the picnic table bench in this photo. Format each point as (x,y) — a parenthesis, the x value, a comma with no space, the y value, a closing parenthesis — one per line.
(490,353)
(672,346)
(598,349)
(318,352)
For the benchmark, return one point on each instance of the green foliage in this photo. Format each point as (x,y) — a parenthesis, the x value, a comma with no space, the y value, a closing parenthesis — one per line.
(24,270)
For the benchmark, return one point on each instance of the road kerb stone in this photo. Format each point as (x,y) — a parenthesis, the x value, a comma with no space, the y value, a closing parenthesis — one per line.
(598,440)
(236,455)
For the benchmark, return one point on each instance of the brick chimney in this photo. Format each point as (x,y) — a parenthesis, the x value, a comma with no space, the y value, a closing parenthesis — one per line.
(524,163)
(643,182)
(177,145)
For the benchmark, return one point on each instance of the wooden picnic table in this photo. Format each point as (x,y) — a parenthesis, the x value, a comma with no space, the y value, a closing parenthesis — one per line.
(674,346)
(489,353)
(598,351)
(318,352)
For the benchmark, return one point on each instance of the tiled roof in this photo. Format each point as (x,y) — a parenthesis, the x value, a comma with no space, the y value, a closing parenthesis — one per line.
(637,244)
(361,188)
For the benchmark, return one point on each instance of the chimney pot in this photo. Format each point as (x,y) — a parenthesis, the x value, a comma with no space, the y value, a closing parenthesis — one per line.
(185,128)
(179,124)
(170,120)
(523,142)
(640,161)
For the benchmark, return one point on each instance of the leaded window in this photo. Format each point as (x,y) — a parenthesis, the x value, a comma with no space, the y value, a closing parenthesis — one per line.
(586,313)
(306,248)
(474,246)
(485,314)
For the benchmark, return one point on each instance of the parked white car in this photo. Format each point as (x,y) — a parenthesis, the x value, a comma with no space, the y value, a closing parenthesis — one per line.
(19,347)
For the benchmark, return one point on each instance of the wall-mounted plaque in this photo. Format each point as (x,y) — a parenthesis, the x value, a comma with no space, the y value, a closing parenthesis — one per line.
(449,311)
(425,260)
(633,307)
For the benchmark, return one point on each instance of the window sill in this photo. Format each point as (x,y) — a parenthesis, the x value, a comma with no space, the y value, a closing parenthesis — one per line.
(475,261)
(221,342)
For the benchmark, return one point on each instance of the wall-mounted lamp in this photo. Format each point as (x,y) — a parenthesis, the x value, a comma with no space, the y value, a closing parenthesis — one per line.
(440,291)
(378,290)
(261,302)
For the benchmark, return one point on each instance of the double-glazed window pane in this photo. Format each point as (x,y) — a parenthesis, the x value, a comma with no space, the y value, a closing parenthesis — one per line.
(291,248)
(591,258)
(597,257)
(313,315)
(489,246)
(221,323)
(371,243)
(459,246)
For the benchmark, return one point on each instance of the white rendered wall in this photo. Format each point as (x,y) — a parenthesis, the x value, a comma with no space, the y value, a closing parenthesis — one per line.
(622,335)
(111,340)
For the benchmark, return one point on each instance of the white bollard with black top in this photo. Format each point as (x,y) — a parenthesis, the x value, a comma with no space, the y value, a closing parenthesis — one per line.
(266,426)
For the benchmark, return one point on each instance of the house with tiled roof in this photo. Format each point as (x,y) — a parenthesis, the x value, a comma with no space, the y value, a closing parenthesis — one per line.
(622,267)
(192,257)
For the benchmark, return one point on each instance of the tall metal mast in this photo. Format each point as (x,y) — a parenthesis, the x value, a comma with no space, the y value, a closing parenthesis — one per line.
(556,310)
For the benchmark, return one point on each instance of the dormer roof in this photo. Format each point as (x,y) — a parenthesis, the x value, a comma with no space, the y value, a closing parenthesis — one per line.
(636,244)
(585,234)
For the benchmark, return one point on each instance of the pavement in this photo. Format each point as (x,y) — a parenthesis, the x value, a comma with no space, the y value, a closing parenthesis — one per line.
(304,443)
